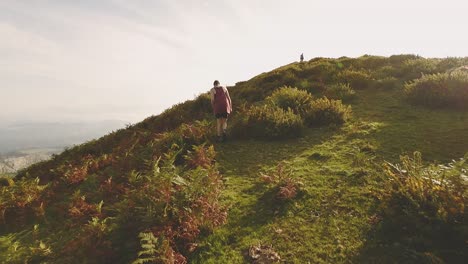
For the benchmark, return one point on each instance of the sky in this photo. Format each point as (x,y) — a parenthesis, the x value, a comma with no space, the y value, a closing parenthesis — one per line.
(126,60)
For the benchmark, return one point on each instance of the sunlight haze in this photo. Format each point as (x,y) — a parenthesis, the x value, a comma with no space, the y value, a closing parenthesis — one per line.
(127,60)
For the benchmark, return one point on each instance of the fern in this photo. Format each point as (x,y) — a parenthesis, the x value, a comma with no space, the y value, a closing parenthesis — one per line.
(148,252)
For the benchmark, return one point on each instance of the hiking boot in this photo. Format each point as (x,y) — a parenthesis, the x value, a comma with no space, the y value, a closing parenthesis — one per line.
(224,138)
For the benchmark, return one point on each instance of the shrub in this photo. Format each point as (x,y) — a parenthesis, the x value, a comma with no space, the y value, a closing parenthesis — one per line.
(325,111)
(174,203)
(449,63)
(424,206)
(315,87)
(282,181)
(202,104)
(440,90)
(357,79)
(291,98)
(20,200)
(322,70)
(274,76)
(341,91)
(289,78)
(385,72)
(263,85)
(399,59)
(370,62)
(91,241)
(269,122)
(185,135)
(278,78)
(200,156)
(413,69)
(387,83)
(304,84)
(247,93)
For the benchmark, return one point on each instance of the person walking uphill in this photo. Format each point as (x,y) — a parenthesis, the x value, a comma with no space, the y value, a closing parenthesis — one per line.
(222,107)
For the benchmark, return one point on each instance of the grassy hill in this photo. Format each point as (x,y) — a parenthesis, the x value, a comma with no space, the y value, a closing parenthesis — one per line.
(323,165)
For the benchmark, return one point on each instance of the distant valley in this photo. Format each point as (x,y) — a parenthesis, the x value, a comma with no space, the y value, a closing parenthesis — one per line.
(25,143)
(14,161)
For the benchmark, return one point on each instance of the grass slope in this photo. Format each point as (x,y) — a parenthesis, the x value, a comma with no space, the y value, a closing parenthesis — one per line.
(341,212)
(333,221)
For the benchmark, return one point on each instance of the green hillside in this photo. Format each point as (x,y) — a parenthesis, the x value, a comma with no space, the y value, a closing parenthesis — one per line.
(348,160)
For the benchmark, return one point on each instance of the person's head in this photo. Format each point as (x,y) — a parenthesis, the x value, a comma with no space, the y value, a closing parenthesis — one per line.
(216,83)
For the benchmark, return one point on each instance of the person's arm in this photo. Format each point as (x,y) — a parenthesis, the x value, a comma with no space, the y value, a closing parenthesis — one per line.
(212,97)
(229,99)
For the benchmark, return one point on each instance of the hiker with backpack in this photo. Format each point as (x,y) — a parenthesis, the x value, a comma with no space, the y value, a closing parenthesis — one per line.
(222,107)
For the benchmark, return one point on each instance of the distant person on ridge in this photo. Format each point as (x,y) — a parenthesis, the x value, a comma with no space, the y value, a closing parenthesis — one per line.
(302,57)
(222,107)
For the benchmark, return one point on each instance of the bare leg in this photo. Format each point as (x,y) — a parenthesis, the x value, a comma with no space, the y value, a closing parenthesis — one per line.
(224,125)
(219,126)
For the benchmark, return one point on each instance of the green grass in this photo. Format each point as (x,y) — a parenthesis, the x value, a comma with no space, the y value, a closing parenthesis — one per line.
(441,135)
(331,211)
(331,221)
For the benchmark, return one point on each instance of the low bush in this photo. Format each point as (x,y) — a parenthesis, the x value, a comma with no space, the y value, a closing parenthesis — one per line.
(440,90)
(304,84)
(397,60)
(424,207)
(325,112)
(340,91)
(387,83)
(268,122)
(322,70)
(175,204)
(357,79)
(416,68)
(264,85)
(384,72)
(291,98)
(315,87)
(21,201)
(244,93)
(370,62)
(282,181)
(202,104)
(450,63)
(185,136)
(278,78)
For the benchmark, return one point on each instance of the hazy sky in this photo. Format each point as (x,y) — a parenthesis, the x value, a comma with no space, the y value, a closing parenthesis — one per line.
(122,59)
